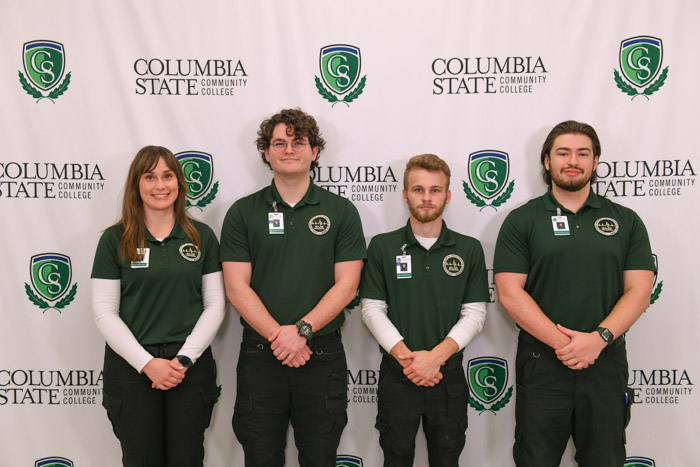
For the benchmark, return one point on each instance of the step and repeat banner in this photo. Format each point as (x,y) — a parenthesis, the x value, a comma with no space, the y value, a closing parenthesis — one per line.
(85,84)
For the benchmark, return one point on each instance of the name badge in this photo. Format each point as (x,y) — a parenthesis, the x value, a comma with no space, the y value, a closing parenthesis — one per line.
(560,224)
(403,267)
(146,252)
(275,221)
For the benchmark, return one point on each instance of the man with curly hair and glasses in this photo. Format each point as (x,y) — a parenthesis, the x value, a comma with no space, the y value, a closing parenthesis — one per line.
(292,255)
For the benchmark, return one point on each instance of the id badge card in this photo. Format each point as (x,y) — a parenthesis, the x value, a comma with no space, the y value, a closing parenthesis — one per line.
(146,252)
(403,267)
(275,221)
(560,224)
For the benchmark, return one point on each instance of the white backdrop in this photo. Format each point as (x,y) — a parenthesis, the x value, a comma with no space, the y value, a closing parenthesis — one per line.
(452,78)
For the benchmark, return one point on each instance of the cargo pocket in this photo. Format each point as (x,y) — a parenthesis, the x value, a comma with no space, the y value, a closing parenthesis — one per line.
(458,405)
(113,407)
(242,410)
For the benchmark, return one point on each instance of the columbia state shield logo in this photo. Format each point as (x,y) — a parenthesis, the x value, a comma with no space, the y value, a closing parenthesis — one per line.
(339,66)
(54,462)
(639,462)
(488,379)
(488,172)
(640,63)
(199,173)
(50,275)
(44,64)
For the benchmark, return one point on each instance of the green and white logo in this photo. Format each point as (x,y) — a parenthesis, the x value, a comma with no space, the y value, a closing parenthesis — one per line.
(656,293)
(640,62)
(340,69)
(488,378)
(348,460)
(51,275)
(639,462)
(199,174)
(488,174)
(44,64)
(53,462)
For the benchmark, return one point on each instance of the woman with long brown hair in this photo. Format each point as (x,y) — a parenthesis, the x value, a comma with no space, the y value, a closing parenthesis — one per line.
(158,299)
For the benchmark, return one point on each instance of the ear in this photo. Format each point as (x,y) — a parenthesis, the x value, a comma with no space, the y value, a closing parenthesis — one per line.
(595,162)
(449,197)
(314,153)
(546,161)
(267,154)
(403,195)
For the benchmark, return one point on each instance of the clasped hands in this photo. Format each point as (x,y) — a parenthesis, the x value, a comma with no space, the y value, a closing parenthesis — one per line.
(582,350)
(289,347)
(422,367)
(164,374)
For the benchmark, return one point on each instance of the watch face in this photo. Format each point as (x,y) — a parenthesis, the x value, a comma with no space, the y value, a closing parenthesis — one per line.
(184,361)
(605,334)
(305,329)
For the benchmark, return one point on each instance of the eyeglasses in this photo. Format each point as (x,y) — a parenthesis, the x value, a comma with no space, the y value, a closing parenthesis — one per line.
(281,146)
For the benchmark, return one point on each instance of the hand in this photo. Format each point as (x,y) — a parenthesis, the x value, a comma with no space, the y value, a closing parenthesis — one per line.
(164,374)
(582,351)
(289,347)
(177,366)
(423,368)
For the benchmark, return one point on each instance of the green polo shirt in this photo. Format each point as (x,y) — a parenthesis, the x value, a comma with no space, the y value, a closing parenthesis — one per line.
(161,300)
(576,279)
(293,270)
(427,305)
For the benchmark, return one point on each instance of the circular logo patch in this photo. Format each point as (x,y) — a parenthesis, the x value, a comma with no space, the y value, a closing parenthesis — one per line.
(319,225)
(189,252)
(607,226)
(453,265)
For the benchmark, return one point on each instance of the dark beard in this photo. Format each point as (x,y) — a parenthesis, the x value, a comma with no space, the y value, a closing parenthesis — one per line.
(574,185)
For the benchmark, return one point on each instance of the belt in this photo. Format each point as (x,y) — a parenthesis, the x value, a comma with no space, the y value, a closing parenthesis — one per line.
(163,350)
(313,342)
(450,364)
(526,337)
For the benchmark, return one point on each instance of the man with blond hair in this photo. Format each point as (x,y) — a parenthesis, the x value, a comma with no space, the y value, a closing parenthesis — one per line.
(423,294)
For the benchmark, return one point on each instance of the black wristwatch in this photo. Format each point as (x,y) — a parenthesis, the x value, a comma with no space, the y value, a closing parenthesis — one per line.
(305,329)
(606,335)
(185,361)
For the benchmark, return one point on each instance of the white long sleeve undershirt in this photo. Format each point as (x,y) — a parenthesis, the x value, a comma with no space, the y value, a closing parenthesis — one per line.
(375,317)
(106,297)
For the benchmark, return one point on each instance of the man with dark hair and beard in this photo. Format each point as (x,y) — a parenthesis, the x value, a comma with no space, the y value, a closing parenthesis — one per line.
(575,271)
(423,293)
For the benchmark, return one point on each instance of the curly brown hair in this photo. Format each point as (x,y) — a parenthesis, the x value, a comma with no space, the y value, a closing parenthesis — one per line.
(299,124)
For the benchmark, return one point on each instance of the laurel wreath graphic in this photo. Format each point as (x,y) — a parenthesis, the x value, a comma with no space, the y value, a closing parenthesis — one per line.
(206,199)
(480,203)
(62,303)
(330,97)
(498,405)
(648,91)
(656,293)
(35,93)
